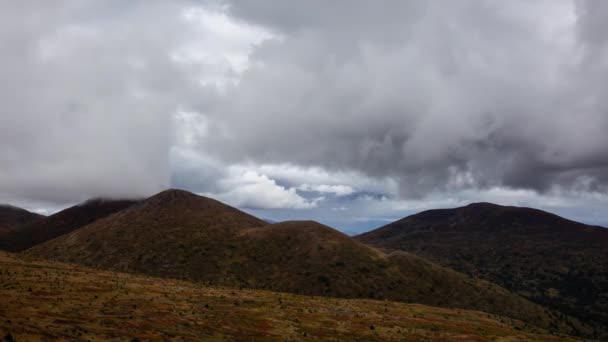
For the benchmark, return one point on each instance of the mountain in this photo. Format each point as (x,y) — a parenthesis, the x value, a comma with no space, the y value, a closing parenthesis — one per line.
(44,300)
(172,234)
(176,234)
(63,222)
(12,217)
(551,260)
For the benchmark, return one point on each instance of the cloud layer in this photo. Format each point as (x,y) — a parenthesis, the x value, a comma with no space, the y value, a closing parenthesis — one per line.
(355,112)
(86,99)
(440,96)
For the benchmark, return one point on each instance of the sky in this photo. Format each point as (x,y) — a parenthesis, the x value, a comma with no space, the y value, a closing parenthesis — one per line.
(353,113)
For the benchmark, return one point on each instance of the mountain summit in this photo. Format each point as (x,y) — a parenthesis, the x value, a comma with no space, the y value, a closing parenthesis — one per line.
(544,257)
(174,234)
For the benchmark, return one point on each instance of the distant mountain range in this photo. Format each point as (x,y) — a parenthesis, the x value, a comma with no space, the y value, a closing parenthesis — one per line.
(553,261)
(515,262)
(40,230)
(177,234)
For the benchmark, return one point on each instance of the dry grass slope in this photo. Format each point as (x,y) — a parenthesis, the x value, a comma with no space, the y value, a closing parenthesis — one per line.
(52,301)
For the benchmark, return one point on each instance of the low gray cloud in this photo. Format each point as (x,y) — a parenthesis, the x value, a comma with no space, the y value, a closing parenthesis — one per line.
(88,89)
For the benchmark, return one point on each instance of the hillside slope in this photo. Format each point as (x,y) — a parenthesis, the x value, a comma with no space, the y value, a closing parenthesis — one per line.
(549,259)
(12,217)
(63,222)
(177,234)
(173,234)
(51,301)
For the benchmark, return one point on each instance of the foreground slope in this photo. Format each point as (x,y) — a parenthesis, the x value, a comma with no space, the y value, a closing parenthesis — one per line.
(12,217)
(48,301)
(176,234)
(63,222)
(549,259)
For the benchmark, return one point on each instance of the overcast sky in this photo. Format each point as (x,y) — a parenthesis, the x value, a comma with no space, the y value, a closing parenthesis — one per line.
(353,113)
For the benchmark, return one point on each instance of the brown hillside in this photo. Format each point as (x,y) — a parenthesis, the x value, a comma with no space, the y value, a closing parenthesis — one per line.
(12,217)
(51,301)
(172,234)
(177,234)
(548,259)
(63,222)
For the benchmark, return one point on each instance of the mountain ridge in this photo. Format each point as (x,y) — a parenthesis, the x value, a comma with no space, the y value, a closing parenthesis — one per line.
(12,217)
(553,261)
(176,234)
(50,227)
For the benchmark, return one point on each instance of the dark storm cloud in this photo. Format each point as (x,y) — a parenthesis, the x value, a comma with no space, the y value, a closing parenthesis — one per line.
(440,95)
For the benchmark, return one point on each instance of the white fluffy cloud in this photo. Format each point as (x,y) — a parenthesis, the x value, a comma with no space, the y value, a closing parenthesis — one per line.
(248,189)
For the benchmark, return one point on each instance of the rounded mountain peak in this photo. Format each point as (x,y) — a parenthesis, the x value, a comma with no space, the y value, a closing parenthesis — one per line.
(177,196)
(308,229)
(175,193)
(484,205)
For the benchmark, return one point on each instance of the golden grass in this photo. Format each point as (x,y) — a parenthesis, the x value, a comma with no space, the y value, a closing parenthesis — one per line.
(42,300)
